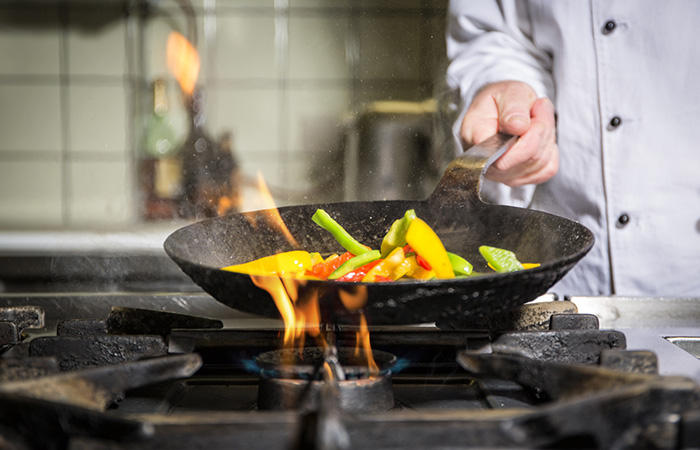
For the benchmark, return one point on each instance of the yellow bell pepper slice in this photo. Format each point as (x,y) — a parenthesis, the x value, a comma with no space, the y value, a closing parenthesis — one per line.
(525,266)
(387,266)
(426,243)
(287,262)
(404,269)
(316,258)
(417,272)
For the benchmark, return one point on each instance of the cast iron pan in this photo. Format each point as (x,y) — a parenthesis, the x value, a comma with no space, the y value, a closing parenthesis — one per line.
(455,212)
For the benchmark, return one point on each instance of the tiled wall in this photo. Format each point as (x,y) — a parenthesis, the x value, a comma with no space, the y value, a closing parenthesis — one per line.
(283,76)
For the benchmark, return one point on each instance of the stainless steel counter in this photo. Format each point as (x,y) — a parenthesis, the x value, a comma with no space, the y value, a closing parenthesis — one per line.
(661,325)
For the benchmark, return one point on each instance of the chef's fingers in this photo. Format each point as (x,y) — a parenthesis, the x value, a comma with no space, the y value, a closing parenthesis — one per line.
(535,157)
(514,100)
(481,120)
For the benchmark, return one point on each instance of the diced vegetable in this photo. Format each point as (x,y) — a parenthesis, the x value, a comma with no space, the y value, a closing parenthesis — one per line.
(325,221)
(359,273)
(422,262)
(417,272)
(329,265)
(387,266)
(354,263)
(396,237)
(460,265)
(500,259)
(425,242)
(316,258)
(286,262)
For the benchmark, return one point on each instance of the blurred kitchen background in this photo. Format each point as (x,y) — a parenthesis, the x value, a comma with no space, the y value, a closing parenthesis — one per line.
(329,100)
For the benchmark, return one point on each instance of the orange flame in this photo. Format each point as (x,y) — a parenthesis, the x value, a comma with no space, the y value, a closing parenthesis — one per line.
(183,61)
(302,316)
(363,341)
(284,304)
(272,214)
(354,300)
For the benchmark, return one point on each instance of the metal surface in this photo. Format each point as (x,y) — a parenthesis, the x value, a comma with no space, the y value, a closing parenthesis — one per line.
(454,210)
(555,380)
(634,361)
(123,320)
(91,306)
(646,414)
(8,335)
(625,312)
(689,344)
(532,316)
(23,317)
(646,322)
(77,352)
(48,411)
(81,327)
(12,369)
(573,346)
(573,322)
(394,159)
(97,387)
(362,396)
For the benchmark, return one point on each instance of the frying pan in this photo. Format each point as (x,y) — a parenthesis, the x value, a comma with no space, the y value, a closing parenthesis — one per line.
(454,210)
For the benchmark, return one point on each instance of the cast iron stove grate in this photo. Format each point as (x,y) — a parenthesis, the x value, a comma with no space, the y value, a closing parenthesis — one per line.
(546,377)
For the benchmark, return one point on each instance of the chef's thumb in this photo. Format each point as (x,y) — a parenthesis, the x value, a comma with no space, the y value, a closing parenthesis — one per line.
(514,105)
(515,121)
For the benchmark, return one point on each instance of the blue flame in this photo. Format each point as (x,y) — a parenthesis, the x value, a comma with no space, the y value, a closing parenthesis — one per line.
(400,364)
(251,366)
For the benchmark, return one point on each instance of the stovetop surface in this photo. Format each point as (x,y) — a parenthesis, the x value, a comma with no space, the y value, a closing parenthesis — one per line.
(451,387)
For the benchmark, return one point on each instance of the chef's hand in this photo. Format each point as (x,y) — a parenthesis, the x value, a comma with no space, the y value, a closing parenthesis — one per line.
(512,107)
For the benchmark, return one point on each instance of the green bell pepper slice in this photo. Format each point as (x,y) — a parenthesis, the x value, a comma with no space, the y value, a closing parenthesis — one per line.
(461,266)
(355,263)
(396,236)
(325,221)
(500,259)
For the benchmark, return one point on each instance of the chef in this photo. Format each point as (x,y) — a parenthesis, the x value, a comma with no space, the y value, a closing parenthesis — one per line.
(605,97)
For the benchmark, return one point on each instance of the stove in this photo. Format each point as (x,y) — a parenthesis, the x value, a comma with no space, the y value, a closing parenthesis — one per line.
(170,370)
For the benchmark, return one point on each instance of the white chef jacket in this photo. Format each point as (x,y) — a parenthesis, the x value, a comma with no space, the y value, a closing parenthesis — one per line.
(624,77)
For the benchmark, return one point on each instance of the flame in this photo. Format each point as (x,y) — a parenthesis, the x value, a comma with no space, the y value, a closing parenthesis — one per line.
(285,305)
(223,205)
(302,316)
(354,300)
(363,341)
(183,61)
(272,214)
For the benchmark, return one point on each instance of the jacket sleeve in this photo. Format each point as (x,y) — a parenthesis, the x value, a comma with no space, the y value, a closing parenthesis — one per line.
(489,41)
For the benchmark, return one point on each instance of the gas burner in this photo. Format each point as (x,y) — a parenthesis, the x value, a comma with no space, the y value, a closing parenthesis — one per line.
(296,379)
(306,363)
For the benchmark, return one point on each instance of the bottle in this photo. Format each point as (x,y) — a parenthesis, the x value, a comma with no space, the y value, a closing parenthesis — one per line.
(161,162)
(228,176)
(200,160)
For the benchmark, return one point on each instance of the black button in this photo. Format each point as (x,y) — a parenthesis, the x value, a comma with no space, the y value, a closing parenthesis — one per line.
(623,220)
(615,122)
(609,27)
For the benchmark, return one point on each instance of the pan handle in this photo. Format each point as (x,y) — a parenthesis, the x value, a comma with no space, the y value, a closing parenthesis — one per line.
(461,182)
